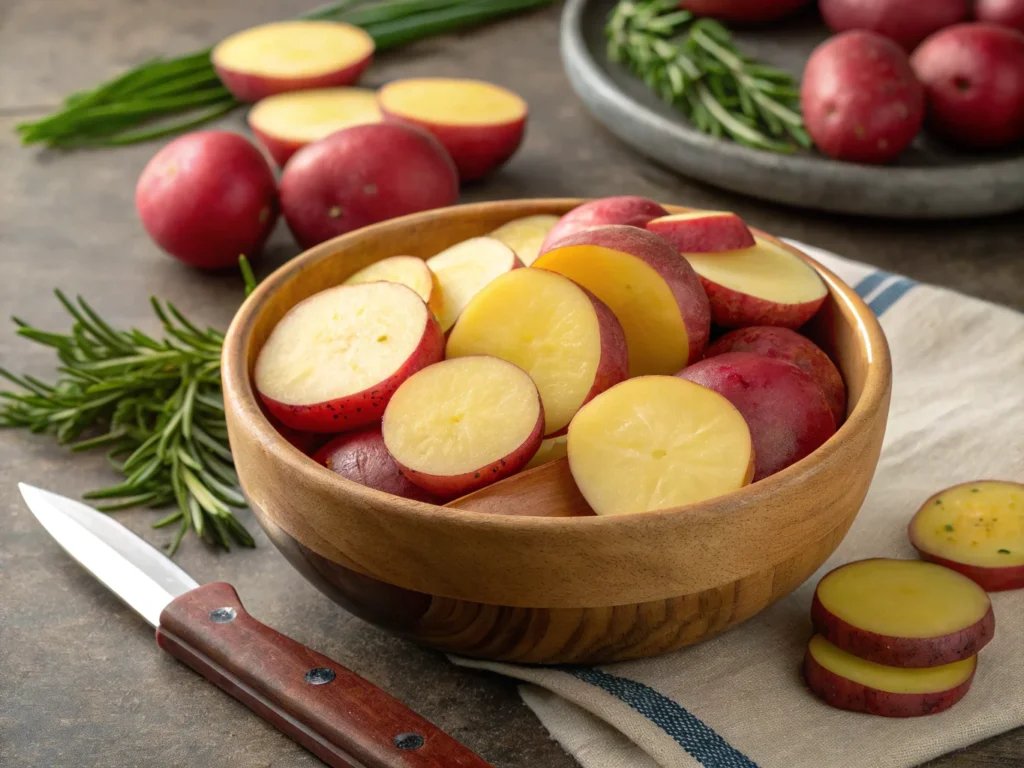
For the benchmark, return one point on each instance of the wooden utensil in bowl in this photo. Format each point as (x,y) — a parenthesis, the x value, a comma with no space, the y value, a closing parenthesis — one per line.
(503,573)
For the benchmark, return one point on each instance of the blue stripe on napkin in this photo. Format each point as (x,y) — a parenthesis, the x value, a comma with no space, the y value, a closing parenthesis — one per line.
(883,299)
(870,283)
(689,731)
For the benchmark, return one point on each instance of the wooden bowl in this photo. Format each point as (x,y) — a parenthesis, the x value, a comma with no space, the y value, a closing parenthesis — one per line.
(546,589)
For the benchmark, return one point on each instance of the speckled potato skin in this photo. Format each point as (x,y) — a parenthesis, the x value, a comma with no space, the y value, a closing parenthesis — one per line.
(362,457)
(452,486)
(786,344)
(361,408)
(733,309)
(627,210)
(838,691)
(989,579)
(902,651)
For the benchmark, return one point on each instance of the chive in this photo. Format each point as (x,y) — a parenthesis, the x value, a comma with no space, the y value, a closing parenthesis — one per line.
(949,528)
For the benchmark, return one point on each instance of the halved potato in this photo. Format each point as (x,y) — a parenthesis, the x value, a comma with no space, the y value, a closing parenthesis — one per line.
(525,235)
(465,268)
(405,270)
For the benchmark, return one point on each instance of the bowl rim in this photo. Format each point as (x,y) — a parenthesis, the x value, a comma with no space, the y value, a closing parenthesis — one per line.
(238,387)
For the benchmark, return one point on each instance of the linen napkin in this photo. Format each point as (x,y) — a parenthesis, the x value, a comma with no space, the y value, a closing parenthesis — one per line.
(739,701)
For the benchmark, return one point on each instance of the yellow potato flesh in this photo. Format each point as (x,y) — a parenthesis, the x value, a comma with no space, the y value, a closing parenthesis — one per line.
(405,270)
(294,48)
(891,679)
(552,449)
(460,415)
(903,598)
(526,235)
(545,324)
(639,297)
(339,342)
(976,524)
(451,101)
(657,442)
(306,116)
(464,269)
(765,271)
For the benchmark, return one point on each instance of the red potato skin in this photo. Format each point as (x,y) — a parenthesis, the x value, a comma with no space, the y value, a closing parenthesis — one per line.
(711,234)
(208,197)
(361,175)
(626,210)
(906,24)
(860,98)
(361,408)
(362,457)
(743,11)
(786,411)
(249,87)
(906,652)
(448,487)
(973,75)
(734,309)
(837,691)
(1005,13)
(477,150)
(663,259)
(788,345)
(989,579)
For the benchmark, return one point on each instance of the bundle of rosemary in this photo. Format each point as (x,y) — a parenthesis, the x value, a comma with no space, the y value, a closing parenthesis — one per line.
(154,404)
(694,65)
(137,105)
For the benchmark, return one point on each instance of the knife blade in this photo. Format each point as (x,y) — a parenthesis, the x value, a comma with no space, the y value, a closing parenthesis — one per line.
(343,719)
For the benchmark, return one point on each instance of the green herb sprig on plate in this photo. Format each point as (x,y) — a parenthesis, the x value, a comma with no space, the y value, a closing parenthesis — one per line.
(694,65)
(157,407)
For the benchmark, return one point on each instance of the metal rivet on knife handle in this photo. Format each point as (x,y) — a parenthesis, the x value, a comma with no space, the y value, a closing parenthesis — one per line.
(409,741)
(319,676)
(223,615)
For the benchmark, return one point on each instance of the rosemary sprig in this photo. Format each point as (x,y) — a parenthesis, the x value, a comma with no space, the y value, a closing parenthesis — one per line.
(694,65)
(155,405)
(163,97)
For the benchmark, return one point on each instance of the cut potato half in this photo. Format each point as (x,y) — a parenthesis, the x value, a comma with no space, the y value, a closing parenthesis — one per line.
(286,122)
(405,270)
(332,363)
(703,231)
(463,424)
(525,235)
(551,449)
(465,268)
(652,290)
(291,56)
(902,613)
(977,529)
(849,682)
(763,285)
(565,338)
(657,442)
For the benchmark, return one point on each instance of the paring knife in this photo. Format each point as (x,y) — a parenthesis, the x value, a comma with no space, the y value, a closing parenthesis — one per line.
(338,716)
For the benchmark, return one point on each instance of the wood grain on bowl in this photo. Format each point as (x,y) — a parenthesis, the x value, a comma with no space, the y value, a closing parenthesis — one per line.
(518,584)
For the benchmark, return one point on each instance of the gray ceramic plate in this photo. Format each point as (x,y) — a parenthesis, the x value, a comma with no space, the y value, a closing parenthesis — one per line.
(928,181)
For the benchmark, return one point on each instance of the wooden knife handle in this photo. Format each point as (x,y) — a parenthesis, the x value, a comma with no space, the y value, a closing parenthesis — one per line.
(341,718)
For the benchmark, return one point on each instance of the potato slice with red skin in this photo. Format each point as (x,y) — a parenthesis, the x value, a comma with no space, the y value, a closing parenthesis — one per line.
(551,449)
(788,345)
(362,457)
(652,290)
(561,334)
(480,124)
(787,412)
(845,681)
(902,613)
(976,529)
(657,442)
(334,361)
(405,270)
(763,285)
(526,235)
(703,231)
(463,424)
(291,56)
(464,269)
(286,122)
(626,210)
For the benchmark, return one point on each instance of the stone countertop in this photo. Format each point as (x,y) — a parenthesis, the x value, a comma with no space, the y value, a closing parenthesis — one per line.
(81,682)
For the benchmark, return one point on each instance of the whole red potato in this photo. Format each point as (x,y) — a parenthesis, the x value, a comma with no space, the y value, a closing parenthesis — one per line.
(362,175)
(743,11)
(905,22)
(1006,13)
(860,99)
(973,75)
(207,198)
